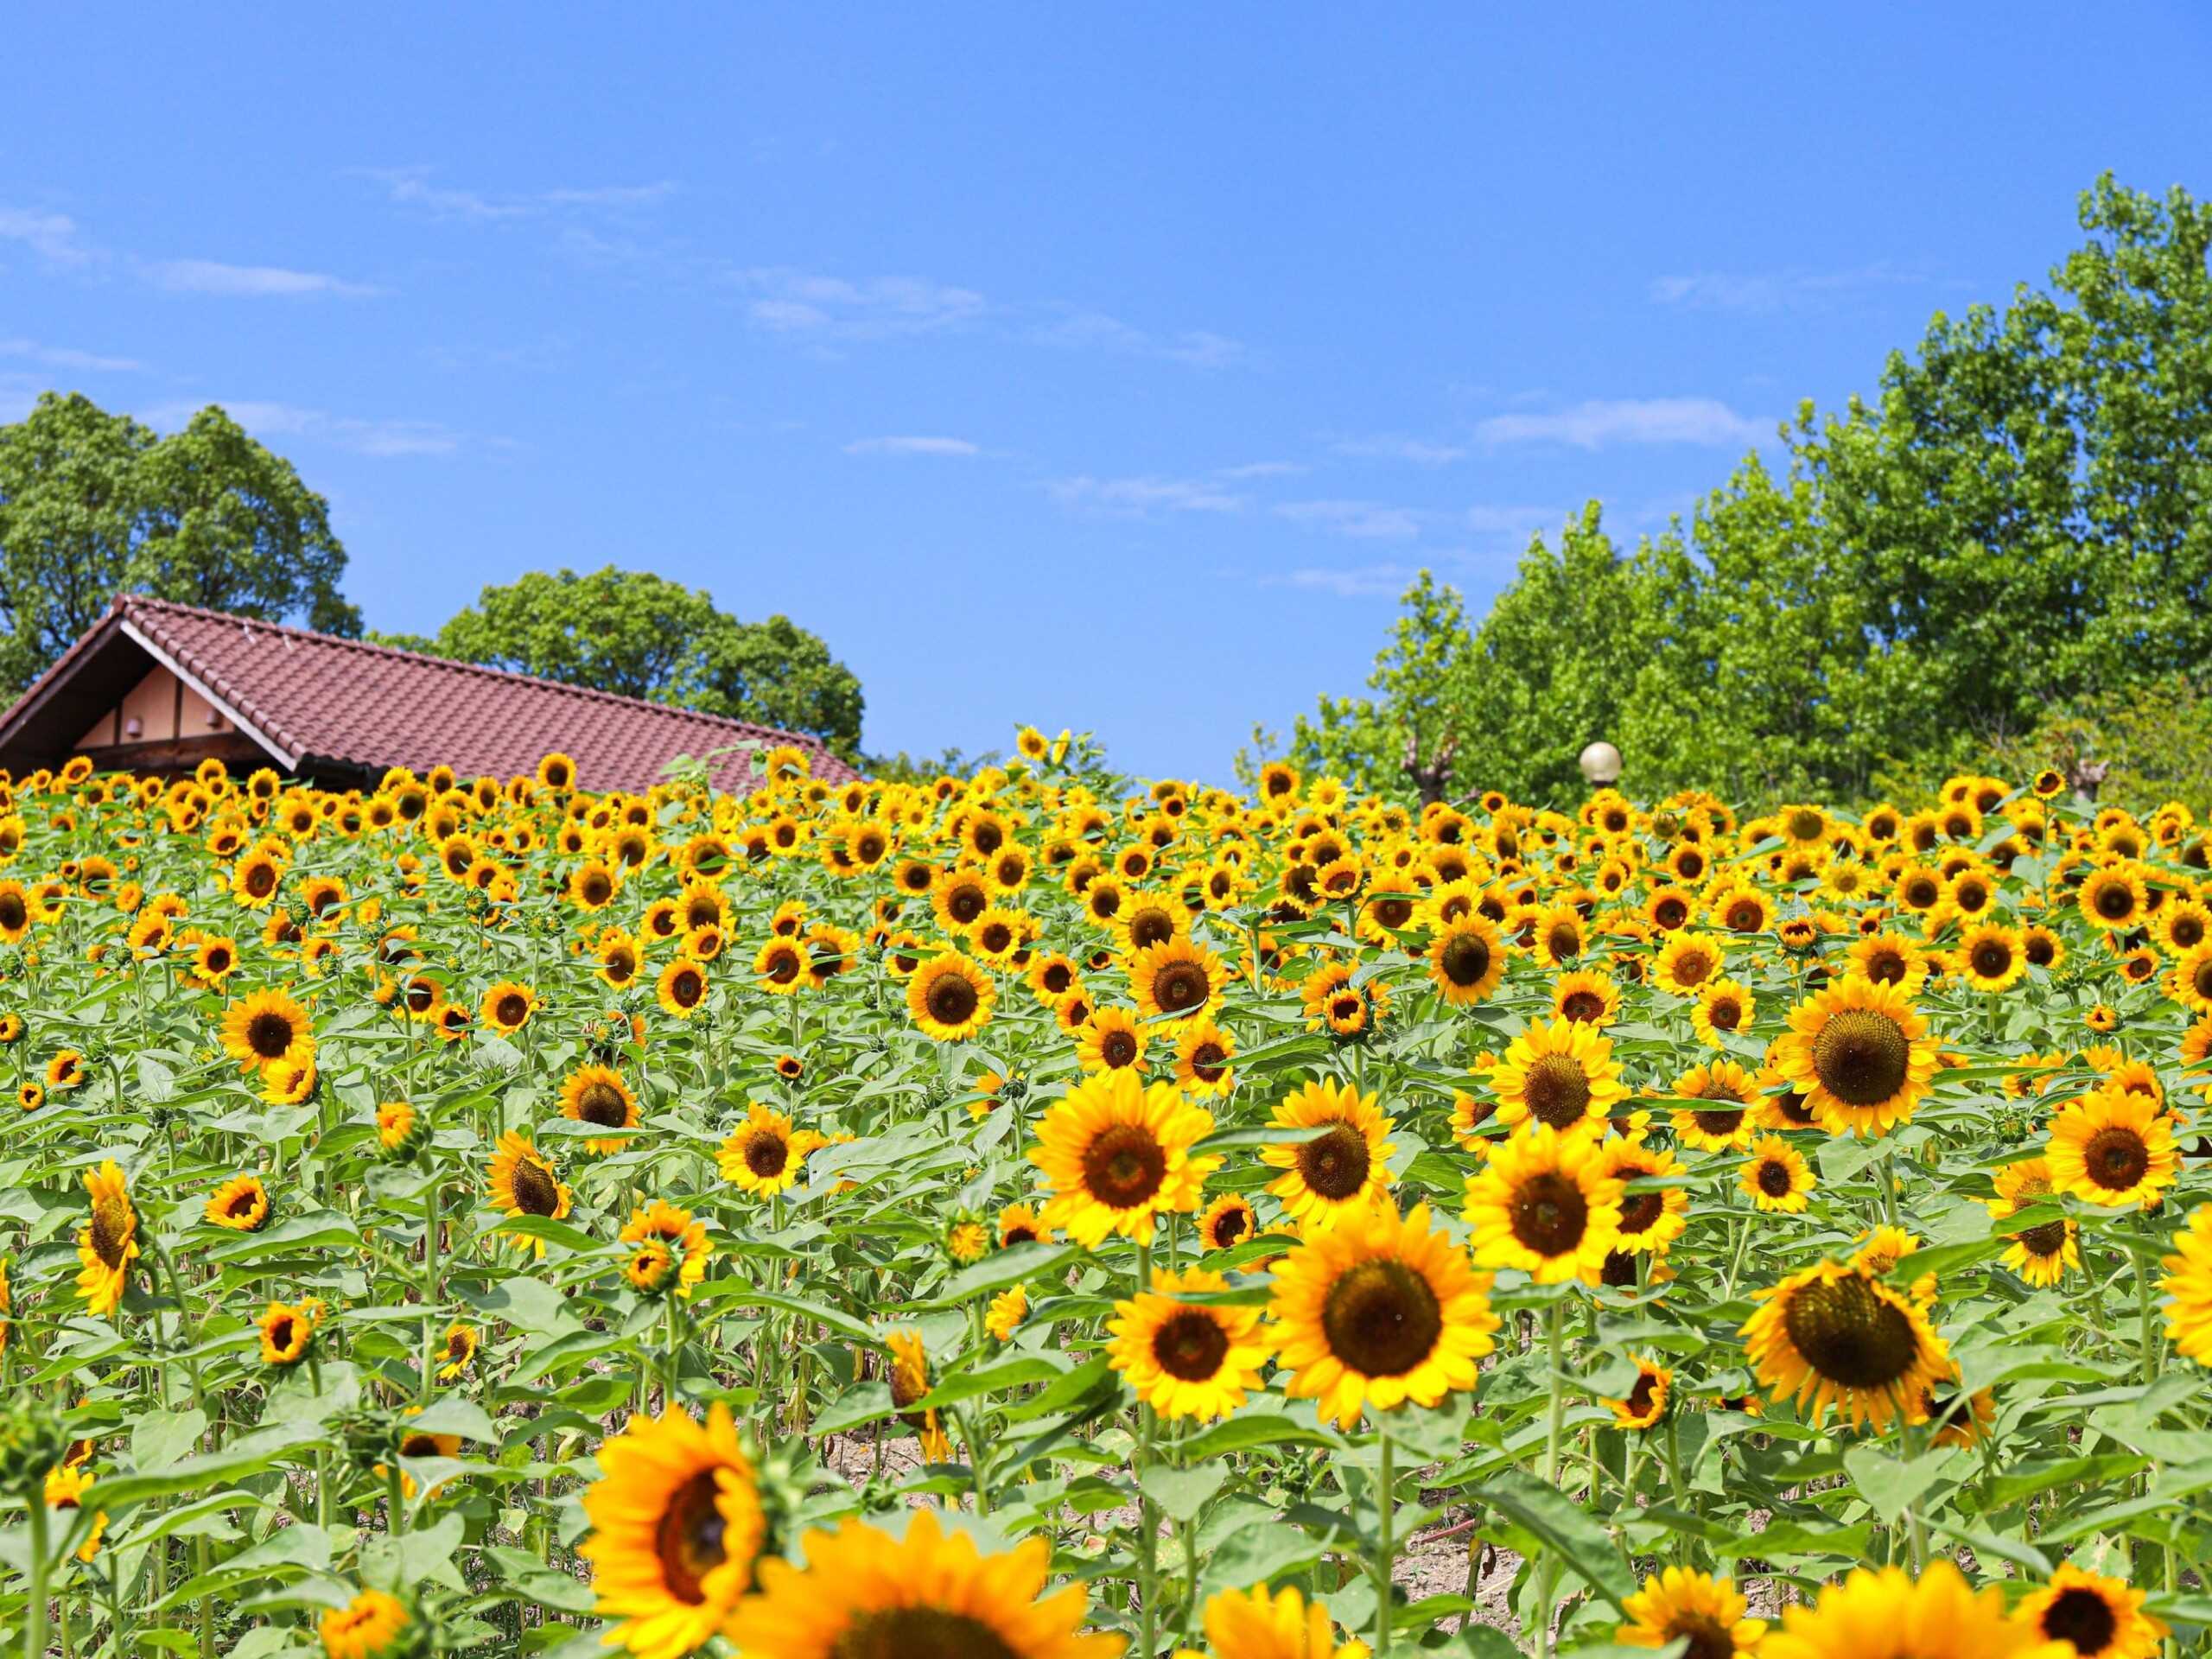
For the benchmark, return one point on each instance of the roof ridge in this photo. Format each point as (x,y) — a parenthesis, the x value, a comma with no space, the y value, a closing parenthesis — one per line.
(130,601)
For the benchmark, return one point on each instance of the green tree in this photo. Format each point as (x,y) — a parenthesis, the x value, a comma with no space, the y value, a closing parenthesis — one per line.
(94,504)
(643,636)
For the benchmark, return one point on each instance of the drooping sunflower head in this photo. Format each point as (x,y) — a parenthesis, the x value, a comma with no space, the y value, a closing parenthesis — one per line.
(1644,1406)
(524,1183)
(1834,1337)
(240,1205)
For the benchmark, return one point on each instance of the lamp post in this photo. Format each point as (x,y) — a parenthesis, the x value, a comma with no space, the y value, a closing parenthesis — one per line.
(1601,764)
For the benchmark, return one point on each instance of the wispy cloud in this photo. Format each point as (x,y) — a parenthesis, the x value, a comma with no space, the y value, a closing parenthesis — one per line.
(384,439)
(1776,290)
(1142,497)
(1362,520)
(51,236)
(805,305)
(1198,348)
(1390,446)
(62,357)
(1628,420)
(250,282)
(412,187)
(911,446)
(1511,523)
(1356,581)
(1256,469)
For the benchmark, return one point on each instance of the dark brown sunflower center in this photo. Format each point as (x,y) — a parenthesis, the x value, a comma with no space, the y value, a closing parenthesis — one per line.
(419,1445)
(1382,1318)
(536,1193)
(511,1009)
(1393,913)
(1774,1179)
(688,1538)
(281,1331)
(966,904)
(1709,1637)
(1180,985)
(766,1156)
(2082,1617)
(1564,940)
(1558,1091)
(2201,980)
(1719,1120)
(1725,1014)
(1670,913)
(602,1104)
(952,1000)
(1886,966)
(1640,1397)
(687,987)
(919,1633)
(1206,1061)
(1691,968)
(1992,958)
(1465,959)
(1335,1163)
(1229,1227)
(1190,1346)
(1639,1211)
(2115,1158)
(1118,1048)
(1850,1334)
(2114,902)
(270,1035)
(242,1204)
(1151,927)
(1057,977)
(1124,1167)
(1861,1057)
(260,880)
(14,914)
(1584,1007)
(112,1225)
(1744,916)
(1549,1215)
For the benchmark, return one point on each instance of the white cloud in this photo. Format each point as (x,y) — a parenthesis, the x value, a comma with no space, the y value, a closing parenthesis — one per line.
(1628,420)
(1362,520)
(410,186)
(911,447)
(1359,582)
(1142,496)
(1262,469)
(62,357)
(1775,291)
(1514,522)
(250,281)
(1197,348)
(1391,446)
(805,305)
(50,236)
(382,438)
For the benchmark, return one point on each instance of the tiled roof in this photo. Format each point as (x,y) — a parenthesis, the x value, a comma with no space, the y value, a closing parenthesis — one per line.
(315,696)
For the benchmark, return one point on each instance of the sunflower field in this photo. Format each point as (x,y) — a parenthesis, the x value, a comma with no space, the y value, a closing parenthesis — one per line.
(1028,1216)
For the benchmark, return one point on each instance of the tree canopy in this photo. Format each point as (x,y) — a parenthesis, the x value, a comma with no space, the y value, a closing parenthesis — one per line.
(94,504)
(643,636)
(2021,518)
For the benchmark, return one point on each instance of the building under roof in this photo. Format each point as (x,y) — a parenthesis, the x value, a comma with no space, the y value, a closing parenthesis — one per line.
(155,686)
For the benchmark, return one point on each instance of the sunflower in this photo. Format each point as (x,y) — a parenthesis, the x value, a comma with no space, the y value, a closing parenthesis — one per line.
(1860,1054)
(864,1592)
(1187,1360)
(66,1070)
(108,1242)
(1203,1053)
(1681,1605)
(65,1487)
(1008,1309)
(682,988)
(676,1527)
(762,1156)
(2189,983)
(401,1130)
(523,1183)
(240,1203)
(1586,998)
(1644,1406)
(1561,1074)
(1890,959)
(1111,1040)
(265,1028)
(2102,1618)
(1776,1178)
(1116,1153)
(288,1333)
(1724,1008)
(1229,1220)
(1834,1336)
(1686,961)
(1887,1615)
(949,998)
(669,1249)
(1178,979)
(910,1381)
(1018,1223)
(596,1095)
(2115,1149)
(2043,1253)
(1254,1625)
(1649,1221)
(1725,1124)
(2112,898)
(1379,1310)
(370,1626)
(1546,1203)
(458,1351)
(1466,959)
(1341,1170)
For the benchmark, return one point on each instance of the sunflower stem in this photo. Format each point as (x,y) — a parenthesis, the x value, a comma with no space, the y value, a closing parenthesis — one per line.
(35,1609)
(1147,1522)
(1555,1419)
(430,1224)
(1386,1552)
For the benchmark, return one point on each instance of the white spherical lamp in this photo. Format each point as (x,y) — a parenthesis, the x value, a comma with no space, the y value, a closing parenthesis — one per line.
(1601,763)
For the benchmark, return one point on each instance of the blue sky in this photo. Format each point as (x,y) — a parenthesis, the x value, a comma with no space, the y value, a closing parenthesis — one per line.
(1112,369)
